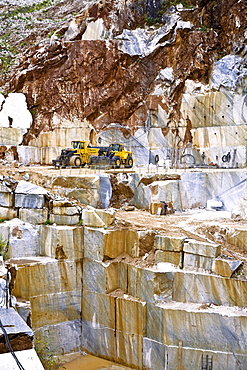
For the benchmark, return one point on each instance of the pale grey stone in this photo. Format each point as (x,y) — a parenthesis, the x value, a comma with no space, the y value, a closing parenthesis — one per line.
(221,360)
(54,308)
(209,288)
(143,42)
(26,177)
(202,248)
(228,71)
(174,258)
(100,277)
(24,309)
(28,359)
(94,304)
(193,188)
(24,239)
(129,349)
(62,242)
(155,356)
(94,243)
(34,216)
(29,283)
(197,262)
(224,326)
(105,191)
(14,325)
(7,213)
(29,154)
(25,187)
(100,244)
(142,193)
(64,220)
(29,201)
(168,243)
(56,336)
(6,196)
(99,340)
(148,285)
(28,195)
(65,211)
(93,217)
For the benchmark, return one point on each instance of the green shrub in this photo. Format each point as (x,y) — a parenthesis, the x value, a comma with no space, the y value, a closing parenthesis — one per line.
(48,222)
(47,357)
(4,247)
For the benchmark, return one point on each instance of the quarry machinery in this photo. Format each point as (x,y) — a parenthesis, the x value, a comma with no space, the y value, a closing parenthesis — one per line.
(81,154)
(114,155)
(76,156)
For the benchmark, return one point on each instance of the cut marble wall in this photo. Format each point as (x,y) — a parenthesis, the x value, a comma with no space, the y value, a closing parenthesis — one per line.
(156,354)
(55,308)
(57,336)
(209,288)
(28,283)
(223,324)
(62,242)
(93,190)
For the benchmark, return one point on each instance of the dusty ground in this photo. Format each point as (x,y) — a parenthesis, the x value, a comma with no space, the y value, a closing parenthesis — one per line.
(211,226)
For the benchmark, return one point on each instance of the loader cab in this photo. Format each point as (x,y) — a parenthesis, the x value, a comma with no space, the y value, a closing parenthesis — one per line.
(116,147)
(78,144)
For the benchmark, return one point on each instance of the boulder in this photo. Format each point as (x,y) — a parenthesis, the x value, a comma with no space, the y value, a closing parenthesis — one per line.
(19,333)
(148,285)
(102,277)
(6,196)
(169,243)
(202,248)
(225,267)
(7,213)
(35,216)
(197,262)
(28,282)
(56,337)
(23,238)
(97,217)
(217,290)
(64,219)
(28,195)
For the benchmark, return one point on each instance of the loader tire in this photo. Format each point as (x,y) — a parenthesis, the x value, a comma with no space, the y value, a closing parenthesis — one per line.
(117,162)
(129,162)
(75,161)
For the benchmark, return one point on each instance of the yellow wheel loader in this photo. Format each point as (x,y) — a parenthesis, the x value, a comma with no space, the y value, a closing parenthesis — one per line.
(114,156)
(81,154)
(76,156)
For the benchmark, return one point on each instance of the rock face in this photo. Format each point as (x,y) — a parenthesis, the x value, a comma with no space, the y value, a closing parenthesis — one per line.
(164,295)
(166,81)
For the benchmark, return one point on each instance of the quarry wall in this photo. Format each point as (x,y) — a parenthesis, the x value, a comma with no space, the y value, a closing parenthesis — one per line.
(101,287)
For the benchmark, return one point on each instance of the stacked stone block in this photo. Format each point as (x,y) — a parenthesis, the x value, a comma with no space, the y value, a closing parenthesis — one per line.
(91,292)
(54,290)
(6,203)
(152,314)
